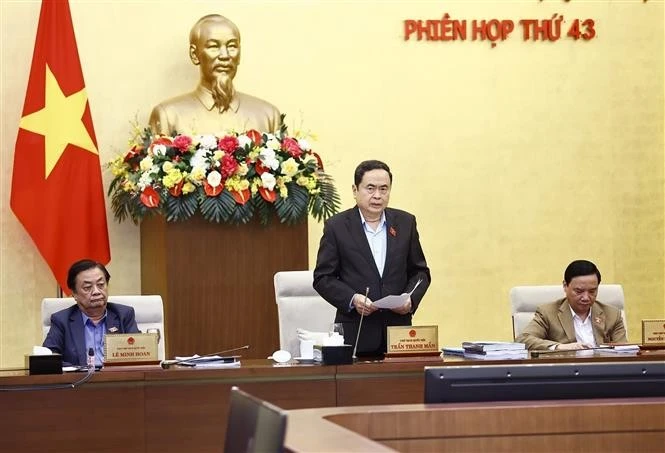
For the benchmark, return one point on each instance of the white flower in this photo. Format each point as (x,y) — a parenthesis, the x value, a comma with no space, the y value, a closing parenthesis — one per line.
(214,178)
(199,159)
(159,150)
(304,144)
(145,180)
(268,158)
(268,180)
(273,143)
(244,140)
(208,142)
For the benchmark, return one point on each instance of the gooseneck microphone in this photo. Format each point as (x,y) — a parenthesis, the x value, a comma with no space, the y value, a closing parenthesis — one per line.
(166,364)
(362,315)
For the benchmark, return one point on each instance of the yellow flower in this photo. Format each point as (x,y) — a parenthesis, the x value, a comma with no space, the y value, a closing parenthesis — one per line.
(236,183)
(242,169)
(289,167)
(302,180)
(172,178)
(188,187)
(167,166)
(198,174)
(217,155)
(118,166)
(129,186)
(146,163)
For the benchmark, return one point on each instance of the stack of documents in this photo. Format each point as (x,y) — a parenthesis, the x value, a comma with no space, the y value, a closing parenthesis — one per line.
(620,348)
(494,350)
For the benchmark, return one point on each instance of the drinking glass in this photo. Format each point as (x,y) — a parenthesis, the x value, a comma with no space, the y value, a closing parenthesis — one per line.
(336,327)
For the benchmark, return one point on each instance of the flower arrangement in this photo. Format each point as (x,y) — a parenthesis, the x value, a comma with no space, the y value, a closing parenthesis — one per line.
(229,178)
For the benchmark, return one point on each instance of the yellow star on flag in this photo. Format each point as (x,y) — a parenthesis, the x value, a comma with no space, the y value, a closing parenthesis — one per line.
(59,122)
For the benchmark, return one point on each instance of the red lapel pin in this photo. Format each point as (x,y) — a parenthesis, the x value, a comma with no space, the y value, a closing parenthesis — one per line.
(393,232)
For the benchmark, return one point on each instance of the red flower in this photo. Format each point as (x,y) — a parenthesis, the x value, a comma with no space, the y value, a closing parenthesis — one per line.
(393,232)
(269,195)
(132,153)
(291,146)
(212,191)
(228,166)
(150,197)
(176,190)
(255,136)
(228,143)
(319,162)
(260,168)
(182,142)
(241,196)
(162,141)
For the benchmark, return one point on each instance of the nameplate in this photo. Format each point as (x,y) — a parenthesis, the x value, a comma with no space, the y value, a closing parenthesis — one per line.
(413,340)
(653,331)
(130,349)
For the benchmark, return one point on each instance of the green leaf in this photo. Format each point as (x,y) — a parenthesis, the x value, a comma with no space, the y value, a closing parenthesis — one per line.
(326,203)
(180,208)
(294,207)
(242,213)
(262,209)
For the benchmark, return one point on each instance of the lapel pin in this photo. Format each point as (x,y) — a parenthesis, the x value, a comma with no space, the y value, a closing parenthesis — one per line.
(113,330)
(597,320)
(393,232)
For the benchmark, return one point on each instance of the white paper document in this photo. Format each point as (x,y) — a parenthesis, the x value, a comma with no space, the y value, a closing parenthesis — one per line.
(394,301)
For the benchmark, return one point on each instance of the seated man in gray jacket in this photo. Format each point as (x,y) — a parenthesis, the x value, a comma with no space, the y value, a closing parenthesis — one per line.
(578,321)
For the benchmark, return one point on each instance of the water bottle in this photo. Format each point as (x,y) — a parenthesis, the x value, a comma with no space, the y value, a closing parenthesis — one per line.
(91,360)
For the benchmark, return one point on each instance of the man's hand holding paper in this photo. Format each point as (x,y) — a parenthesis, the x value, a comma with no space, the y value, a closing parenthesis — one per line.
(398,303)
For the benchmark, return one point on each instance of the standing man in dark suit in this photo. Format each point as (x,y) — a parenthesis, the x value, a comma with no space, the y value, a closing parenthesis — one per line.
(371,246)
(80,327)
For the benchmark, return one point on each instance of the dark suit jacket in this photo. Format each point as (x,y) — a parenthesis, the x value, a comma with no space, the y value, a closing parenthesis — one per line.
(67,334)
(345,266)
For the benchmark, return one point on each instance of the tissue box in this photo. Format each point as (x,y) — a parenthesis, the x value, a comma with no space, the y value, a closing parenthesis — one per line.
(44,364)
(337,355)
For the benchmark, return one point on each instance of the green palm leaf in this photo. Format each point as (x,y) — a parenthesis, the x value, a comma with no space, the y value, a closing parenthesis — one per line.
(294,207)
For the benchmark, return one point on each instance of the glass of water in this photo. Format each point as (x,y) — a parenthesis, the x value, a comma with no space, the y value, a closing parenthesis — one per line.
(336,327)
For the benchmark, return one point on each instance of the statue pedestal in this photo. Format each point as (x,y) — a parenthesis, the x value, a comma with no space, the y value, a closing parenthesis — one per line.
(216,281)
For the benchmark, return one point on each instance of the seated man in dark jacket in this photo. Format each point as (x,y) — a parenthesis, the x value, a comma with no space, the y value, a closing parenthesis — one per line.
(80,327)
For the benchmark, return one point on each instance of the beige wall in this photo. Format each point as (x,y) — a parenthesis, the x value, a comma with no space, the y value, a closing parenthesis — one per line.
(516,160)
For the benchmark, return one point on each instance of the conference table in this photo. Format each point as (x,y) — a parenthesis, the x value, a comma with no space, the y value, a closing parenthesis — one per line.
(150,409)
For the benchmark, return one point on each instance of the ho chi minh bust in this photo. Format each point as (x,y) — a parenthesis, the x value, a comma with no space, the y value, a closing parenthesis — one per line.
(215,106)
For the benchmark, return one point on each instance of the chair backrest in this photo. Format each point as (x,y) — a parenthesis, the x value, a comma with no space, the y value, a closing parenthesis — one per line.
(525,299)
(254,425)
(149,311)
(299,306)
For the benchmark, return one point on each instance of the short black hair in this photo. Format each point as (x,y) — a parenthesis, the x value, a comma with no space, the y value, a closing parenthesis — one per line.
(81,266)
(369,165)
(579,268)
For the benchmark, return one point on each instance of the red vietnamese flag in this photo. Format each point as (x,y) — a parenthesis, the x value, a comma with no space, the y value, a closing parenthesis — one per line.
(57,191)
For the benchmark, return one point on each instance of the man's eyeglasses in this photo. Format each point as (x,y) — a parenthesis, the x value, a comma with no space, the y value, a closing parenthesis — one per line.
(383,190)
